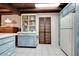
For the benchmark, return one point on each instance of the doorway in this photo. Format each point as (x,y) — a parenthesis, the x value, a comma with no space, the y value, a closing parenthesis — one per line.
(45,30)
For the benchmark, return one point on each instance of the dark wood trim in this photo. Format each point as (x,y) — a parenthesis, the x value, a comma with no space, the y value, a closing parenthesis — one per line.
(24,12)
(26,46)
(7,13)
(0,20)
(19,8)
(10,7)
(40,9)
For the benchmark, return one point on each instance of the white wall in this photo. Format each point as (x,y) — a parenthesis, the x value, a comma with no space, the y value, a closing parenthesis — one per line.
(54,23)
(11,17)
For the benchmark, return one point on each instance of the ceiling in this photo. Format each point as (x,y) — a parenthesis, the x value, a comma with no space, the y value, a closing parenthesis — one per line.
(19,8)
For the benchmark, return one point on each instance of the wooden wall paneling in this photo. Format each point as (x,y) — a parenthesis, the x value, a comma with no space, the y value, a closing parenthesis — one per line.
(0,20)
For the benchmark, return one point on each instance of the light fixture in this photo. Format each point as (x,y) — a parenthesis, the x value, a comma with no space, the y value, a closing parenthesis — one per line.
(47,5)
(7,20)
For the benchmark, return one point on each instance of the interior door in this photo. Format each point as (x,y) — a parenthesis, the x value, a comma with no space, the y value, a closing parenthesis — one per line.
(45,30)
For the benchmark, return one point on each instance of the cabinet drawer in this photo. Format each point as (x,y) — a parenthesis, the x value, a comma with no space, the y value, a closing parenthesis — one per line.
(22,40)
(5,40)
(6,46)
(32,42)
(9,52)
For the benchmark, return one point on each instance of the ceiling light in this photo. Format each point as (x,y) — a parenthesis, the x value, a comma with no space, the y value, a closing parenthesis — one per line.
(47,5)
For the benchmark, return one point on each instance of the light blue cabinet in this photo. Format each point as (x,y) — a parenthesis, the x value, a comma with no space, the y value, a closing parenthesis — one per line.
(9,52)
(27,39)
(66,10)
(67,34)
(7,46)
(67,29)
(66,24)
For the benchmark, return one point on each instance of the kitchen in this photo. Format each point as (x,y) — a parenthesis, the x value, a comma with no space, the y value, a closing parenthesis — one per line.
(26,30)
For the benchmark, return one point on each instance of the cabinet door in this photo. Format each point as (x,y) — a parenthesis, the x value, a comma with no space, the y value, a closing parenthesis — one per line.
(32,41)
(67,21)
(28,23)
(27,40)
(21,40)
(66,41)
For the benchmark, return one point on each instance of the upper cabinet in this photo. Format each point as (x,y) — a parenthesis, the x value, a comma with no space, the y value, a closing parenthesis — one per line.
(67,21)
(28,23)
(68,9)
(68,29)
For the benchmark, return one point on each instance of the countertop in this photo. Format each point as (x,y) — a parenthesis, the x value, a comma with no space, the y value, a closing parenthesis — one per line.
(4,35)
(27,32)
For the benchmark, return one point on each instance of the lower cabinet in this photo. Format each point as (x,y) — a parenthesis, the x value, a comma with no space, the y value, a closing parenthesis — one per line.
(7,46)
(27,39)
(67,41)
(67,31)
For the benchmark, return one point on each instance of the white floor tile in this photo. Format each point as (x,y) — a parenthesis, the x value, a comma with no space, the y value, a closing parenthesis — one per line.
(41,50)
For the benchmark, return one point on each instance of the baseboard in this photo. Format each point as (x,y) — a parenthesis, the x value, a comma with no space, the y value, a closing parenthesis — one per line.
(26,46)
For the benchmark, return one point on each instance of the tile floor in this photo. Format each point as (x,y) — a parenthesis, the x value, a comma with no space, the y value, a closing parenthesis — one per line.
(41,50)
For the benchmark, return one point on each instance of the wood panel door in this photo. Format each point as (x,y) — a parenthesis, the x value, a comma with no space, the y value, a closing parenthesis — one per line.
(45,30)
